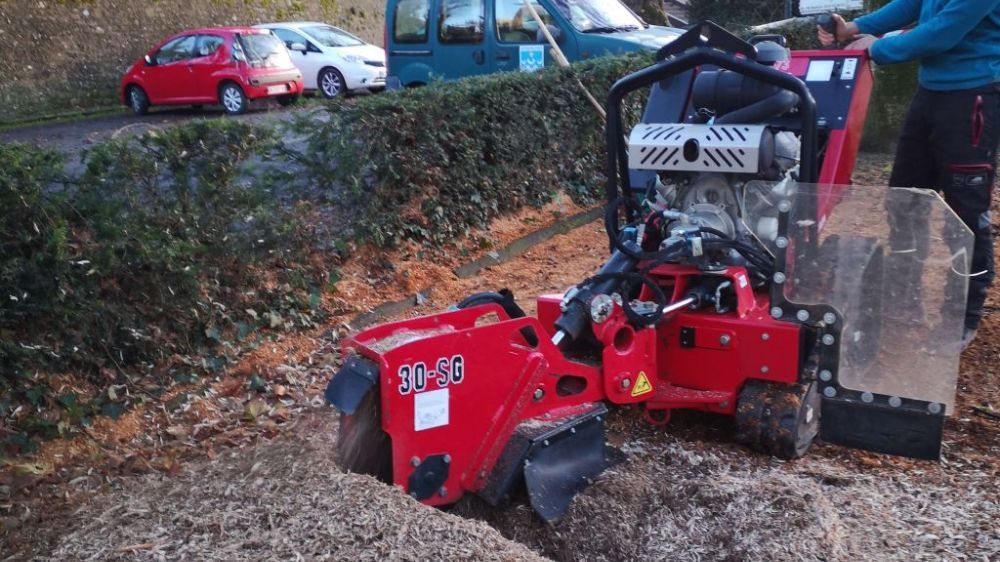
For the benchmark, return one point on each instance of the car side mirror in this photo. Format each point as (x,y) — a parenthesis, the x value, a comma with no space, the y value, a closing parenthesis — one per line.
(150,61)
(554,31)
(299,47)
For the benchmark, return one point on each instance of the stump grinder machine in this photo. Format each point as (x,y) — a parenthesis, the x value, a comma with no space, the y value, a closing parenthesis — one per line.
(747,278)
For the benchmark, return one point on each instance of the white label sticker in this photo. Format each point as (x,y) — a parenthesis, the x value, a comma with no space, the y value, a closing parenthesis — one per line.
(532,58)
(850,67)
(820,71)
(743,281)
(430,410)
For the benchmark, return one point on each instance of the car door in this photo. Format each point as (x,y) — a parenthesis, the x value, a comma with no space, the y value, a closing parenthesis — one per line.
(309,61)
(169,80)
(516,33)
(209,59)
(410,46)
(462,47)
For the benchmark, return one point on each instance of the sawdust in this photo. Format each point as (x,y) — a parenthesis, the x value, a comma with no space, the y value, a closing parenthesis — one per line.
(685,492)
(280,501)
(676,498)
(405,336)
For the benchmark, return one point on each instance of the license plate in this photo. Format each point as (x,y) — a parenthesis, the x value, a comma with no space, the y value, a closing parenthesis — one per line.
(277,89)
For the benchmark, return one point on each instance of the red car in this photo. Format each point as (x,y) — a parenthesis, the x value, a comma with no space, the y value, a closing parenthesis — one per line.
(230,66)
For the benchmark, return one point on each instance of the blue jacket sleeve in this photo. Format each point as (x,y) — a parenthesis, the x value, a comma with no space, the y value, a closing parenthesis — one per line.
(894,15)
(938,34)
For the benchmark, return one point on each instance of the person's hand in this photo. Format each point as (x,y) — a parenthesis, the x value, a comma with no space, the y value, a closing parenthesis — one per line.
(861,43)
(844,32)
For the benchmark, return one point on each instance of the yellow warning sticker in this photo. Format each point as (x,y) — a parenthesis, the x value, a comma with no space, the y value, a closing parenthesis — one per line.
(642,385)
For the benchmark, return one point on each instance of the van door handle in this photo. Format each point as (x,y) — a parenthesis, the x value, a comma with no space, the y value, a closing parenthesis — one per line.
(479,56)
(503,55)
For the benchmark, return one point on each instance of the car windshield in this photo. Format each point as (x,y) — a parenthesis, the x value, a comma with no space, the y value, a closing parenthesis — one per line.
(265,50)
(332,37)
(598,16)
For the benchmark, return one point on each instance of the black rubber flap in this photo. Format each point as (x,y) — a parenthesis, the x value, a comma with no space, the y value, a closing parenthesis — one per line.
(350,384)
(882,429)
(563,461)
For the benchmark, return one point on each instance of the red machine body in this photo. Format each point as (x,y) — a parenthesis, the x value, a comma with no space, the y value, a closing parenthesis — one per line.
(471,397)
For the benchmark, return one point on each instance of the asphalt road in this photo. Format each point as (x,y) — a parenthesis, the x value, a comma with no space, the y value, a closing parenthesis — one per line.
(73,137)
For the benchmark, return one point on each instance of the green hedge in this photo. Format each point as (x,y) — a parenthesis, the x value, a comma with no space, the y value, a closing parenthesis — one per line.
(175,250)
(158,251)
(432,163)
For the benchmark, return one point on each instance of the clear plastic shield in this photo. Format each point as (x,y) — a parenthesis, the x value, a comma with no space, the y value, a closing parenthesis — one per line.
(893,262)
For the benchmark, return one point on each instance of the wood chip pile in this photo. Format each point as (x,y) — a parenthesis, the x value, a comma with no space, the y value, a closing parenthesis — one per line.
(281,501)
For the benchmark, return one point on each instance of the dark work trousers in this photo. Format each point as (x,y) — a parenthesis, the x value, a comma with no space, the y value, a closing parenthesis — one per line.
(949,144)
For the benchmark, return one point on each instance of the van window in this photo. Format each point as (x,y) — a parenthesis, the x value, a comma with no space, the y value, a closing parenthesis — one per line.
(410,23)
(515,23)
(462,21)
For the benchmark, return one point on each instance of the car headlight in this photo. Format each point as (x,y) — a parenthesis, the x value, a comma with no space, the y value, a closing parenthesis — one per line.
(354,58)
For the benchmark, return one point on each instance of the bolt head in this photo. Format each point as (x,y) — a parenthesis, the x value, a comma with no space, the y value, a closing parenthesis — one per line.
(895,401)
(539,394)
(825,376)
(443,492)
(626,383)
(828,339)
(781,242)
(829,392)
(802,315)
(785,206)
(776,312)
(867,397)
(415,462)
(447,459)
(724,339)
(765,336)
(934,408)
(779,277)
(764,369)
(830,318)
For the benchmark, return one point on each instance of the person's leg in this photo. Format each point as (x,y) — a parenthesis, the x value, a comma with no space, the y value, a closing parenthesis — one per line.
(908,213)
(965,137)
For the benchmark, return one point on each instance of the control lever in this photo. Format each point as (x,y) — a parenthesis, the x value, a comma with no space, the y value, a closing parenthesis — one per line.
(829,25)
(827,22)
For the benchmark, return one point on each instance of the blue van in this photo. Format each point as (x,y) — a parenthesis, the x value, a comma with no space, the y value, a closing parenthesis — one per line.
(448,39)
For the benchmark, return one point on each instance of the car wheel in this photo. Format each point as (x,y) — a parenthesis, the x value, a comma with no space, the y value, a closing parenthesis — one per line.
(232,98)
(288,100)
(138,100)
(331,83)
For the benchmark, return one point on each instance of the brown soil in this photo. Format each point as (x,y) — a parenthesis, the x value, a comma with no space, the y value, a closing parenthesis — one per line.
(235,474)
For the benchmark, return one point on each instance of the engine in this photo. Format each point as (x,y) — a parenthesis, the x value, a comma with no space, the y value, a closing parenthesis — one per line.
(716,181)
